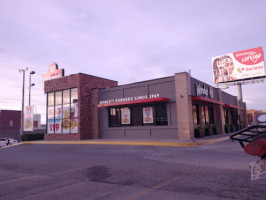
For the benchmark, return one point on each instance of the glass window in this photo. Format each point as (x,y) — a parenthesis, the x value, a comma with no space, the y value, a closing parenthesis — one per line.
(114,117)
(58,119)
(51,99)
(74,95)
(66,96)
(226,116)
(211,114)
(196,120)
(58,98)
(161,114)
(139,115)
(206,114)
(62,116)
(136,113)
(66,119)
(74,125)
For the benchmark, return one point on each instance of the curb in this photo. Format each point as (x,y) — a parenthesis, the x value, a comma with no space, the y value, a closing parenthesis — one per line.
(13,145)
(132,143)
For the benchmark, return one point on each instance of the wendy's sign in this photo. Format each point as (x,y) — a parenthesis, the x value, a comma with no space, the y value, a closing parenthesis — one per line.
(204,91)
(53,72)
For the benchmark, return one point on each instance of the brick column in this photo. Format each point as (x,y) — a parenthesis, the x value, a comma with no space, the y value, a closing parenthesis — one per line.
(184,106)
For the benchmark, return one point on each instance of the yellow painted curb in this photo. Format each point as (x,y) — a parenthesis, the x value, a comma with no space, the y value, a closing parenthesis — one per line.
(135,143)
(13,145)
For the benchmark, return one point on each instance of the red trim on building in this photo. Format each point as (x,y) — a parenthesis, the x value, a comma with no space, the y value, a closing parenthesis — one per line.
(231,106)
(198,98)
(143,101)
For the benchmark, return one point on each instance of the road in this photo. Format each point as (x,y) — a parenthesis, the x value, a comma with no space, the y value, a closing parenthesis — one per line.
(115,172)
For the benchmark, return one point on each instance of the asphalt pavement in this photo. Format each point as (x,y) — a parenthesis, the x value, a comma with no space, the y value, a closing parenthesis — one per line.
(207,168)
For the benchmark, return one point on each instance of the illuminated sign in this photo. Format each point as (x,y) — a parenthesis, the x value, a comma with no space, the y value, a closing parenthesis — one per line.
(53,72)
(237,66)
(203,91)
(126,99)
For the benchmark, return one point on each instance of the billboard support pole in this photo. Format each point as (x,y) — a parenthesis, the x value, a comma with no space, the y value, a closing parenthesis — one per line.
(240,97)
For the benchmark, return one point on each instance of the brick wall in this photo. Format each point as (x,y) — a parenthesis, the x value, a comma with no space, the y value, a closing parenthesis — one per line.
(88,103)
(10,115)
(88,100)
(184,106)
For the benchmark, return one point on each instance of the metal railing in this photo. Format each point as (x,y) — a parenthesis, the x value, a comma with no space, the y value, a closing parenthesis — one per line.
(249,134)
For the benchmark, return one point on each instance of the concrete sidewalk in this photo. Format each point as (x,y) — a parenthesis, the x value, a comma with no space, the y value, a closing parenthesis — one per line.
(140,142)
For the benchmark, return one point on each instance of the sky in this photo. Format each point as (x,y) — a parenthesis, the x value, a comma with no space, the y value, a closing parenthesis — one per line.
(124,40)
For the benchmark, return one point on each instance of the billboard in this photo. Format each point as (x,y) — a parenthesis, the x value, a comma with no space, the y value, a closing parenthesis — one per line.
(237,66)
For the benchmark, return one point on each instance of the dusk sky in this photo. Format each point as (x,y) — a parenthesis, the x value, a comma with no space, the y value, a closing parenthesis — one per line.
(124,40)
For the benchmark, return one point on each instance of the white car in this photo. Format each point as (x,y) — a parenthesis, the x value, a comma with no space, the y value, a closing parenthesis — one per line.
(3,141)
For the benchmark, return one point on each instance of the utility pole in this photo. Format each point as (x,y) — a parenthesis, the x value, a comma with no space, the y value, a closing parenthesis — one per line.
(22,109)
(30,84)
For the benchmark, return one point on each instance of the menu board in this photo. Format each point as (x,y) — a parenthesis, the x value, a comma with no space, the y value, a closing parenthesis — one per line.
(147,115)
(125,118)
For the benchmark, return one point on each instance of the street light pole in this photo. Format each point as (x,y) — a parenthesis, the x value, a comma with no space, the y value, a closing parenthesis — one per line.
(30,84)
(22,109)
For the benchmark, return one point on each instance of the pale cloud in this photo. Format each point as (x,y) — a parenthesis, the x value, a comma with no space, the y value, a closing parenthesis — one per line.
(127,40)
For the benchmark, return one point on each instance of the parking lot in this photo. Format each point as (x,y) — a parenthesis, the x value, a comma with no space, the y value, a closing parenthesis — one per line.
(127,172)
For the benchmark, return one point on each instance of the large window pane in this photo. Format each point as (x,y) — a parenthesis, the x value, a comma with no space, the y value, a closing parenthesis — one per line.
(114,117)
(74,125)
(58,119)
(50,123)
(58,98)
(206,115)
(66,96)
(161,114)
(211,114)
(196,120)
(51,99)
(74,95)
(136,113)
(66,118)
(74,111)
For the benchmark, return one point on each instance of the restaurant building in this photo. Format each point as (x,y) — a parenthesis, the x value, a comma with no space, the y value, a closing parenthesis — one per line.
(180,107)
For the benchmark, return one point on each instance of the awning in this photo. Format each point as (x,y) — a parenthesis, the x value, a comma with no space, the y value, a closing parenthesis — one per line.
(231,106)
(199,98)
(143,101)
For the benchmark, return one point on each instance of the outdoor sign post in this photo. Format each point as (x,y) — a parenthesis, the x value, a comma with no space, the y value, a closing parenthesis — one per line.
(28,118)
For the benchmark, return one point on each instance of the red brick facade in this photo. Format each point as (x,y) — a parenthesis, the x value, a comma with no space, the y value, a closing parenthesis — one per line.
(87,102)
(10,119)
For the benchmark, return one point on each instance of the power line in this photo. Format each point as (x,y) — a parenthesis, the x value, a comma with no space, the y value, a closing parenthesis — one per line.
(17,67)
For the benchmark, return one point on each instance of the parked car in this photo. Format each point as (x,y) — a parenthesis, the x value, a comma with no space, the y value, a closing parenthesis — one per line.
(11,141)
